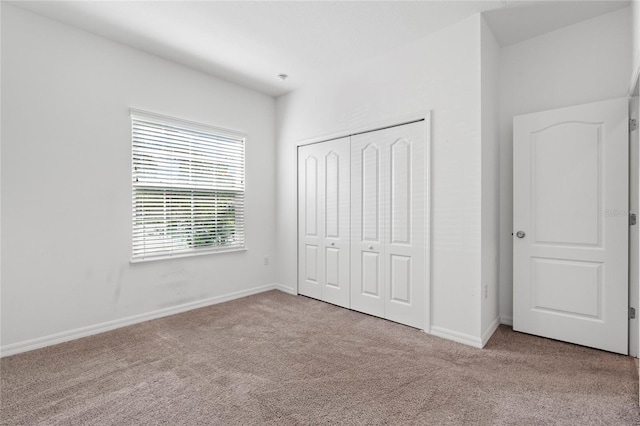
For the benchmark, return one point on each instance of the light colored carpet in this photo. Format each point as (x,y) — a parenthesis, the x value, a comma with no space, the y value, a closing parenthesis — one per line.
(279,359)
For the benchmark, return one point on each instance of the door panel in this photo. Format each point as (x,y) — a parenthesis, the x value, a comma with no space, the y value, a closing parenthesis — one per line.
(332,267)
(370,282)
(332,195)
(570,200)
(554,213)
(309,281)
(311,196)
(366,209)
(400,193)
(337,232)
(324,234)
(404,256)
(371,197)
(388,220)
(400,279)
(568,287)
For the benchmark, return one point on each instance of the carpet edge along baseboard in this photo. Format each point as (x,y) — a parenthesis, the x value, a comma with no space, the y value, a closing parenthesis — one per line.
(90,330)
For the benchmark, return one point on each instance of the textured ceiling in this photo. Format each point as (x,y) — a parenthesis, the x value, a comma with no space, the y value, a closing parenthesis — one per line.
(249,43)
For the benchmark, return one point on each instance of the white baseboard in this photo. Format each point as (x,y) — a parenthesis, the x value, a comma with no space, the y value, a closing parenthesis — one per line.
(489,332)
(465,339)
(65,336)
(283,288)
(506,320)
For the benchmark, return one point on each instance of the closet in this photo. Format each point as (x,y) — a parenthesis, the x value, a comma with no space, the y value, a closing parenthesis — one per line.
(362,222)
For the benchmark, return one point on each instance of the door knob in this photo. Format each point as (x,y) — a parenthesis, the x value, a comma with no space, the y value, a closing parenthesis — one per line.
(370,247)
(333,244)
(520,234)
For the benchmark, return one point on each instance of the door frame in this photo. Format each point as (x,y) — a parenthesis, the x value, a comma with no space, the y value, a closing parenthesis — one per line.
(372,126)
(634,195)
(634,174)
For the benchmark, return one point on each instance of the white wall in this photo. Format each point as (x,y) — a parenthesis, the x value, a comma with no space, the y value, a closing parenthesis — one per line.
(489,78)
(585,62)
(438,73)
(66,180)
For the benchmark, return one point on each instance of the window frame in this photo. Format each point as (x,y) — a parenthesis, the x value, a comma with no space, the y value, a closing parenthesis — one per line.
(162,119)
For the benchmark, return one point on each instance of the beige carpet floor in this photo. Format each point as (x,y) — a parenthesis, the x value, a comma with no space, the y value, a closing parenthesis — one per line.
(274,359)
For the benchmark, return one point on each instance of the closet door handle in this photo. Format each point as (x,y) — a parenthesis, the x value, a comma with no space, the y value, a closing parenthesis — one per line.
(370,247)
(333,244)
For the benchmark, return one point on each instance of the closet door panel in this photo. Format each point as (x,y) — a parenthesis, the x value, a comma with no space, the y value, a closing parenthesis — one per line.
(400,191)
(366,224)
(336,228)
(310,248)
(370,275)
(370,193)
(404,251)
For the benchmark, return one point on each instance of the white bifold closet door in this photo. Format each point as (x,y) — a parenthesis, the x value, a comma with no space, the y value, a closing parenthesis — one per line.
(323,221)
(388,247)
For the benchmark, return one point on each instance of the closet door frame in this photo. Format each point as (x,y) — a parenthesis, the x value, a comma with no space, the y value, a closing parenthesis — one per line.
(420,116)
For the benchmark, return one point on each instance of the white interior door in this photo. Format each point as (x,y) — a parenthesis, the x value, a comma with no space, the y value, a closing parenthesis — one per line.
(388,223)
(571,224)
(323,221)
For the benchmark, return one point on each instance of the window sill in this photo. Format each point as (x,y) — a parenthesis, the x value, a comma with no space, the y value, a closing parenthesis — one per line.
(186,254)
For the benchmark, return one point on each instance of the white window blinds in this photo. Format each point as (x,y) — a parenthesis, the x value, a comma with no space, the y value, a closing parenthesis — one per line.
(188,188)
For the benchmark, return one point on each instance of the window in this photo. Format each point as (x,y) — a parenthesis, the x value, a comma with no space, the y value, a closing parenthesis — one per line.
(188,188)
